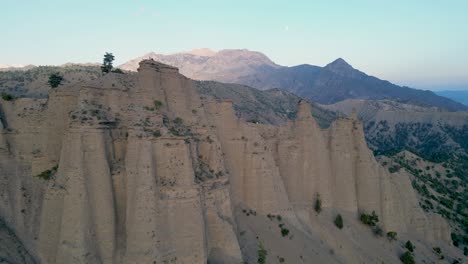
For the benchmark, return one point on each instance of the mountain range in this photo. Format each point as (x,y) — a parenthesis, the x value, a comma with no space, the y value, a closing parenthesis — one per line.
(460,96)
(335,82)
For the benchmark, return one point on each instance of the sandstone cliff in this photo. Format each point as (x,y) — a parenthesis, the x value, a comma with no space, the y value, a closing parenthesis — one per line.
(138,168)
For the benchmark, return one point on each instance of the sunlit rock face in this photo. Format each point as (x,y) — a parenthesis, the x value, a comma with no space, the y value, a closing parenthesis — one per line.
(138,168)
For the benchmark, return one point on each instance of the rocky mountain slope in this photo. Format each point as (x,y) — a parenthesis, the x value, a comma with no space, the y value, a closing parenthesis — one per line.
(401,132)
(225,65)
(392,127)
(267,107)
(335,82)
(140,168)
(442,188)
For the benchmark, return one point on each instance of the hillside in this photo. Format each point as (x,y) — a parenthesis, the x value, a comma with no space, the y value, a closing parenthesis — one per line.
(392,127)
(141,168)
(33,82)
(458,96)
(442,188)
(268,107)
(335,82)
(400,132)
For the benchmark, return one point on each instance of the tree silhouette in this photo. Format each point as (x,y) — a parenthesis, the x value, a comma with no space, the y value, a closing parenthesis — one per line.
(55,79)
(107,62)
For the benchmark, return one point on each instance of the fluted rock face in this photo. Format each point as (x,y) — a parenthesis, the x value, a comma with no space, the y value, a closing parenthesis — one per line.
(150,172)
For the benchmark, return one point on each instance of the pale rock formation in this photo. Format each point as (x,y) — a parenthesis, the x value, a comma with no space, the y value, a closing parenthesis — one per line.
(148,172)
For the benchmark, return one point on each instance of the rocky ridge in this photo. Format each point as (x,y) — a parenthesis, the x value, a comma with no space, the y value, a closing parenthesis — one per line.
(138,168)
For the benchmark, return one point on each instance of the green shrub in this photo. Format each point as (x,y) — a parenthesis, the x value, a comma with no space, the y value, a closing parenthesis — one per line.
(409,246)
(377,230)
(157,104)
(393,169)
(55,79)
(370,220)
(262,253)
(407,258)
(438,251)
(117,70)
(339,221)
(318,204)
(392,235)
(178,121)
(157,133)
(284,231)
(47,174)
(7,97)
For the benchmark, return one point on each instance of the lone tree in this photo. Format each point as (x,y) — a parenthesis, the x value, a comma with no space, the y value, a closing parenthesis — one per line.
(107,62)
(55,79)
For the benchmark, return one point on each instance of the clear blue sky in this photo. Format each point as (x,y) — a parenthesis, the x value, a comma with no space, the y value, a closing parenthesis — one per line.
(423,44)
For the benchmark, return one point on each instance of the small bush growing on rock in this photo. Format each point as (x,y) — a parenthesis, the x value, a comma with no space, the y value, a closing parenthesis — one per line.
(158,104)
(117,70)
(409,246)
(318,204)
(370,220)
(55,79)
(47,174)
(178,121)
(7,97)
(284,231)
(339,221)
(407,258)
(393,169)
(157,133)
(392,235)
(262,253)
(438,251)
(377,230)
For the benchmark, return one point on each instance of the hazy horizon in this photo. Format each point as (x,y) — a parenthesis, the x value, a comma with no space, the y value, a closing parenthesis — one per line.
(418,44)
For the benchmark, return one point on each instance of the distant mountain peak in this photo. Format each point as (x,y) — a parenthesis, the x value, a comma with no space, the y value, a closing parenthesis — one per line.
(339,64)
(341,67)
(206,52)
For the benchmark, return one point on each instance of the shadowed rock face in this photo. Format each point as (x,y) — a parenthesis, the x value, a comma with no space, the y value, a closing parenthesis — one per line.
(148,172)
